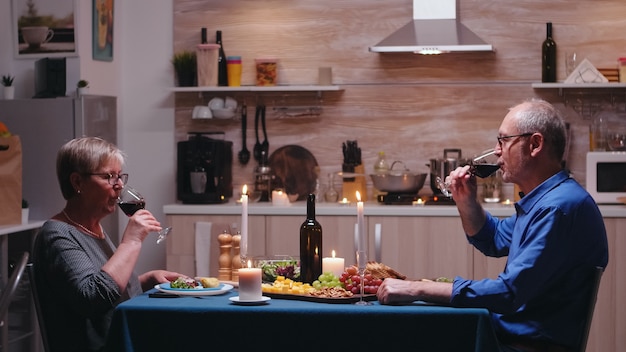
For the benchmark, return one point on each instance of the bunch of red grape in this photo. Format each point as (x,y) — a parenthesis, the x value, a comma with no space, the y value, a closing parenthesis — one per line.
(352,281)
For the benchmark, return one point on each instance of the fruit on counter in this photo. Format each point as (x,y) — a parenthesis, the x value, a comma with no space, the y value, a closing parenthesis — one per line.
(4,130)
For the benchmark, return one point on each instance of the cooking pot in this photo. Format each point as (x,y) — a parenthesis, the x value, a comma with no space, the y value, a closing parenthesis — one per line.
(442,167)
(398,181)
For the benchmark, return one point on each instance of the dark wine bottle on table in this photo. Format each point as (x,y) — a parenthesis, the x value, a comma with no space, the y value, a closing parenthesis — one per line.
(548,56)
(310,244)
(222,73)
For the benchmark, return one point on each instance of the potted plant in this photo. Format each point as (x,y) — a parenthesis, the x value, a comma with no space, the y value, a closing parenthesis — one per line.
(82,87)
(24,211)
(185,67)
(9,90)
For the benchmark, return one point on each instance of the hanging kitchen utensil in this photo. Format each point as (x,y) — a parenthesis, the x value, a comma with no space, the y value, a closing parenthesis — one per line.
(257,146)
(266,143)
(244,153)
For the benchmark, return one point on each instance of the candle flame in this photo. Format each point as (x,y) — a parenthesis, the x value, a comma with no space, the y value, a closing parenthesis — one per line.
(333,253)
(244,190)
(249,264)
(358,196)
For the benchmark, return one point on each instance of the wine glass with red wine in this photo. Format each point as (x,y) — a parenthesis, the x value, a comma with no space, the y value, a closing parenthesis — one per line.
(130,200)
(482,166)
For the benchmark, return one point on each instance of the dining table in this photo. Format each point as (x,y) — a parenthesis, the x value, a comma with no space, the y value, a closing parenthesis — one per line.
(217,323)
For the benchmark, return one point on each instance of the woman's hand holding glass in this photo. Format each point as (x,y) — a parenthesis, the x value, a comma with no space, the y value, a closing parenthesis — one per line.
(131,201)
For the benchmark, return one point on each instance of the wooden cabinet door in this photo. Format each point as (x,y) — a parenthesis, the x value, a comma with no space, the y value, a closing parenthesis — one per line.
(423,247)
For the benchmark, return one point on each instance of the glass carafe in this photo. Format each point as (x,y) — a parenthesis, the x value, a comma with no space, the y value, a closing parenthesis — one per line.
(331,194)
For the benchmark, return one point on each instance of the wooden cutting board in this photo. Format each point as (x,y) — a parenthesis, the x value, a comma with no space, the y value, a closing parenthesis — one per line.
(295,170)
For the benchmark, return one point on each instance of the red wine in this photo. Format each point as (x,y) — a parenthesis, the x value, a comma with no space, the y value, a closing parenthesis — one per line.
(130,208)
(548,56)
(484,170)
(310,244)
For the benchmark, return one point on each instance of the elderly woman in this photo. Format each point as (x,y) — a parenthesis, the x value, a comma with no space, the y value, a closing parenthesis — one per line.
(81,277)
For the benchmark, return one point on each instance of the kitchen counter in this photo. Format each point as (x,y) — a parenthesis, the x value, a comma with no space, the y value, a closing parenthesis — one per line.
(370,209)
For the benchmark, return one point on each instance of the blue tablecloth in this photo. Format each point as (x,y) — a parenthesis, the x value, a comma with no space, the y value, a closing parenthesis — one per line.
(212,323)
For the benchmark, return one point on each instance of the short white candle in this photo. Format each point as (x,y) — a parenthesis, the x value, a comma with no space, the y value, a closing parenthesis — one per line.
(279,198)
(250,283)
(333,265)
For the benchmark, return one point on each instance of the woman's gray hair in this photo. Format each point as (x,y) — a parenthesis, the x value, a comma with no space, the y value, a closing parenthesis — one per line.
(84,155)
(540,116)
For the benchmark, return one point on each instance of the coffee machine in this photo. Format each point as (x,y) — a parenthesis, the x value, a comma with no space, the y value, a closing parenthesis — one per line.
(204,172)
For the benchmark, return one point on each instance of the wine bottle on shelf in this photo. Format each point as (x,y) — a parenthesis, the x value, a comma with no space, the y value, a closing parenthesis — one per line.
(310,244)
(548,56)
(203,37)
(222,75)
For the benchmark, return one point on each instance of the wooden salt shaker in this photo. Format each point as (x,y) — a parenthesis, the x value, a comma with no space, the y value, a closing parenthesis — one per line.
(236,260)
(225,262)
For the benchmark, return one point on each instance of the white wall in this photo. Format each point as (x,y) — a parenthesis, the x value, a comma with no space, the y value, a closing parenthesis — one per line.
(139,75)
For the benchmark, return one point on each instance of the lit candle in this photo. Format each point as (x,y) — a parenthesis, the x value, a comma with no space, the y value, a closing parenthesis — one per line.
(344,201)
(243,244)
(361,243)
(279,198)
(333,265)
(250,283)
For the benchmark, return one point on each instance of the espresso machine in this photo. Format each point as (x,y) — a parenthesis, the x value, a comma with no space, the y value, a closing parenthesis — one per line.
(204,171)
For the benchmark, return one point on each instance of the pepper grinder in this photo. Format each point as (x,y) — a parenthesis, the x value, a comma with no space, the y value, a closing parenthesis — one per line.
(225,262)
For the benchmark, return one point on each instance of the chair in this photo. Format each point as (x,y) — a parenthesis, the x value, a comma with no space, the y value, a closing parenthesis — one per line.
(593,295)
(35,293)
(9,290)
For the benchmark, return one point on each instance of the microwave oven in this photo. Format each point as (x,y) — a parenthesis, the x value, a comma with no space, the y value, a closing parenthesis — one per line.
(606,176)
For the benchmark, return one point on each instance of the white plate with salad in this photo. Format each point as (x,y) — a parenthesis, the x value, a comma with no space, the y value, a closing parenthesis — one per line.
(194,291)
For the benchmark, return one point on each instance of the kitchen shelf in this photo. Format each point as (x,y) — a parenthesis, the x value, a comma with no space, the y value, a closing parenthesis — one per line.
(560,86)
(293,88)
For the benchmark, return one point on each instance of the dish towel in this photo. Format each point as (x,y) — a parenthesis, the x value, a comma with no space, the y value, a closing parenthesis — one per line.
(203,248)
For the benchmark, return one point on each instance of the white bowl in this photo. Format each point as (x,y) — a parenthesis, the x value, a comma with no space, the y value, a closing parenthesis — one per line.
(224,113)
(201,112)
(216,103)
(230,103)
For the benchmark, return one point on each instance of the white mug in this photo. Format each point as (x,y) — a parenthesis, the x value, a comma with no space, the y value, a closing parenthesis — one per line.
(201,112)
(198,181)
(35,36)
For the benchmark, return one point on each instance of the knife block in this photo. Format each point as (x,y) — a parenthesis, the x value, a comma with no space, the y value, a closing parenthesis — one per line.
(358,183)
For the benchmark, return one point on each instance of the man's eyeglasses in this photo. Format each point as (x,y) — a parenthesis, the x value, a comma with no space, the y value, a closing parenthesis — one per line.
(113,179)
(500,138)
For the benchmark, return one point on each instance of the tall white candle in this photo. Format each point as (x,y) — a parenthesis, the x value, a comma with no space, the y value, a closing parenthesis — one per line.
(250,283)
(361,244)
(333,265)
(243,245)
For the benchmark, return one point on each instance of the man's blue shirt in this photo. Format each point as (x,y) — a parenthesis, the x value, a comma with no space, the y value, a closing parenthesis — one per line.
(553,242)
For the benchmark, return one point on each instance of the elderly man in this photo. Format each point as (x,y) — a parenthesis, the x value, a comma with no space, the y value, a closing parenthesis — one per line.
(553,242)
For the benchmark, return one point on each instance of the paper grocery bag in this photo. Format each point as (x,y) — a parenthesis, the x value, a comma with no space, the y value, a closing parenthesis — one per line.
(10,180)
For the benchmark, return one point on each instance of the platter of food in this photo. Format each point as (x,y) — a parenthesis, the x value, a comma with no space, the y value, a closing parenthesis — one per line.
(321,299)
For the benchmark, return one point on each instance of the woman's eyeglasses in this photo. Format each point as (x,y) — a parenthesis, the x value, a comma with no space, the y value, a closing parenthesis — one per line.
(113,179)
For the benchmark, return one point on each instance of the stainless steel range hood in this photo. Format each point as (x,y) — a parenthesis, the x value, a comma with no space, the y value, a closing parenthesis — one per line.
(434,30)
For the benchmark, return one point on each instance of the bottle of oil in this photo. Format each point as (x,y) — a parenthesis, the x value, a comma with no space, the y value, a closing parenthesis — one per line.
(310,244)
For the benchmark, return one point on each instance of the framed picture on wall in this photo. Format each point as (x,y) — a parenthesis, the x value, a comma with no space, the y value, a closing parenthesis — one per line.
(43,28)
(102,30)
